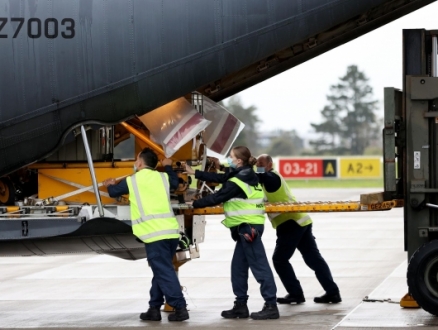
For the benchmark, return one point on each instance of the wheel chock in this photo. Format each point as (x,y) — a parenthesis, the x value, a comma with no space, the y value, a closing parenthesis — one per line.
(408,301)
(168,308)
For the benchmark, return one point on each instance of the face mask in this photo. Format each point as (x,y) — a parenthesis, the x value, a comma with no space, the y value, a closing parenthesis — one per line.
(260,170)
(135,168)
(230,162)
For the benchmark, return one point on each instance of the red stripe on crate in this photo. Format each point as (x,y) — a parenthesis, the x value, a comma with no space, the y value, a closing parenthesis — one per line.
(225,134)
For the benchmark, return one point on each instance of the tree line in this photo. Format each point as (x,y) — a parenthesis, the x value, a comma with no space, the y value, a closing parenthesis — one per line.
(349,123)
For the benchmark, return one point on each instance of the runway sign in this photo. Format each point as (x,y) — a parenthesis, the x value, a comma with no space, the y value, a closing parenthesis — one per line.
(307,168)
(360,167)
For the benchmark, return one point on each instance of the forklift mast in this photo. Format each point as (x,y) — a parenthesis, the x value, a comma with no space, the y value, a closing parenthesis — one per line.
(410,161)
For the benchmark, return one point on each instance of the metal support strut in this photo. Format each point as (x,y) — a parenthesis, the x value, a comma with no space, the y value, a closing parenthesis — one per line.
(92,173)
(434,56)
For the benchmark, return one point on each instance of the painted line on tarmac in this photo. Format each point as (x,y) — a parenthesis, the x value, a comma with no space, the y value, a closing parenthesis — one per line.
(393,274)
(395,271)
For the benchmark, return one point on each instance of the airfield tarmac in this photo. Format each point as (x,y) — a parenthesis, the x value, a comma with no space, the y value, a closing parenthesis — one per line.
(363,249)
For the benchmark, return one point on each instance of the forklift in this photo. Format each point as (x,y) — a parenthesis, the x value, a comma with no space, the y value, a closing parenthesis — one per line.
(410,141)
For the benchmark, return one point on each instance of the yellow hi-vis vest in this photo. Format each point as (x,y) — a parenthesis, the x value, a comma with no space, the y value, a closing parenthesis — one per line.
(283,194)
(152,217)
(240,210)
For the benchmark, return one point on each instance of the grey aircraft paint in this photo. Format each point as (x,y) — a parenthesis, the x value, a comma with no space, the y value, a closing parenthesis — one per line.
(66,62)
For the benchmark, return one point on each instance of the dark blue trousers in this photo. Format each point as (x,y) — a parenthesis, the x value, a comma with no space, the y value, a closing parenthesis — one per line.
(251,256)
(291,236)
(165,283)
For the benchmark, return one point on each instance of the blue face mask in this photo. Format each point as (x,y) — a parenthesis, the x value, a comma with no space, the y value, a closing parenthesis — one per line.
(230,162)
(260,169)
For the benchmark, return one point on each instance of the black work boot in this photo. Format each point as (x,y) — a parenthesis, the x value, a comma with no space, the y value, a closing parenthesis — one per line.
(289,299)
(328,298)
(180,314)
(269,311)
(153,314)
(239,310)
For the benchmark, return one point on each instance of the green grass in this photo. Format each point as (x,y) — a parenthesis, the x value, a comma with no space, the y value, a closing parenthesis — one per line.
(336,183)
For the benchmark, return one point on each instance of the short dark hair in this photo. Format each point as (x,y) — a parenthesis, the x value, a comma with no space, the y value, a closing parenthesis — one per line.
(149,157)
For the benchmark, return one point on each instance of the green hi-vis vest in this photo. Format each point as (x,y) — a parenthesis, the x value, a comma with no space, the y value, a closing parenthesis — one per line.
(283,194)
(151,213)
(240,210)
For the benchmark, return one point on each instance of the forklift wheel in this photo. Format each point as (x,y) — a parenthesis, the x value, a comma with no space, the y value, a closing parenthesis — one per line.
(7,192)
(423,277)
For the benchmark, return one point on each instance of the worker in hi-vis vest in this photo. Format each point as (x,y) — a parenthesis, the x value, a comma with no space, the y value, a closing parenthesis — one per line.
(294,231)
(154,223)
(244,211)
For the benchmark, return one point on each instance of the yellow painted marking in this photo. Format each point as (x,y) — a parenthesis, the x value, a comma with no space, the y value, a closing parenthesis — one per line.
(342,206)
(360,168)
(329,169)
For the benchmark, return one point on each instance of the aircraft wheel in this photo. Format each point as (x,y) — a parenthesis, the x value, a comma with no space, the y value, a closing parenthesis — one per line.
(7,192)
(423,277)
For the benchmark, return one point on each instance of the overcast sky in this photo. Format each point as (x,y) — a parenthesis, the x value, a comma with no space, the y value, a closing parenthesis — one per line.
(294,99)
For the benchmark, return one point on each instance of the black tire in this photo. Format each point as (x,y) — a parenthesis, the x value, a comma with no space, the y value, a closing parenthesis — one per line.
(7,192)
(422,277)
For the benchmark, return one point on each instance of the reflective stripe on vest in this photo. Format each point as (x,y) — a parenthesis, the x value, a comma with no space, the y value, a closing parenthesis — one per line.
(249,201)
(145,217)
(283,194)
(241,210)
(149,194)
(158,233)
(299,221)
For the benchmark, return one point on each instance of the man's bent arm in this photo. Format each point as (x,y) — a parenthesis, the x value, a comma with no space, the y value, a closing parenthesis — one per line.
(173,177)
(270,181)
(117,190)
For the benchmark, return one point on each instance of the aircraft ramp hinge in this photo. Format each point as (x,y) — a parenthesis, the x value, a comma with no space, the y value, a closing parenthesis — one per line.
(312,43)
(214,88)
(362,20)
(266,64)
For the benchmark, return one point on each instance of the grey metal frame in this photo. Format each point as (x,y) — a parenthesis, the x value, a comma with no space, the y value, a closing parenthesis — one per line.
(410,139)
